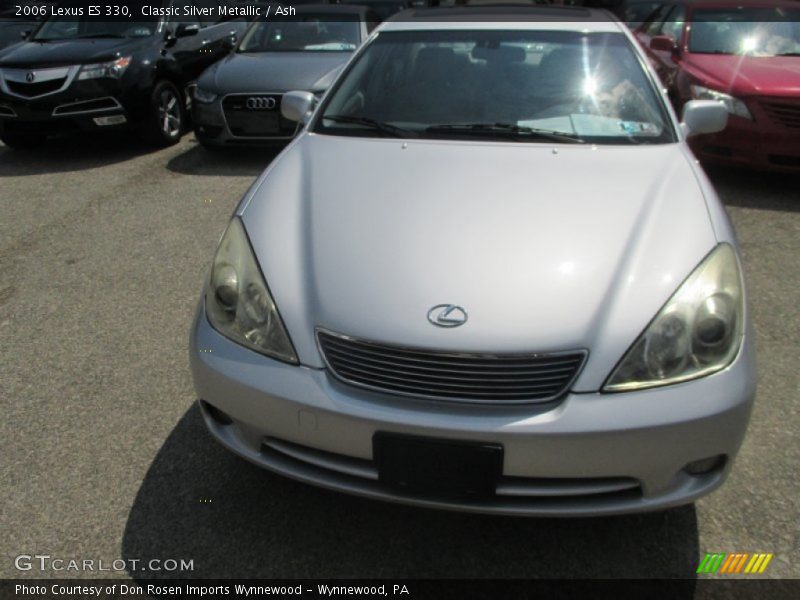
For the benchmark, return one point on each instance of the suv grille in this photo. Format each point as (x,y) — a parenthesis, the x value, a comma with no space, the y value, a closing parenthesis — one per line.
(461,377)
(784,114)
(31,90)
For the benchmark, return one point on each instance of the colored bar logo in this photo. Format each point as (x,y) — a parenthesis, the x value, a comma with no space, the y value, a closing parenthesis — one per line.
(737,562)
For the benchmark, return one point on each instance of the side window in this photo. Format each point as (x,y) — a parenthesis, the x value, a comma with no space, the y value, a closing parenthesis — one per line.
(653,24)
(673,27)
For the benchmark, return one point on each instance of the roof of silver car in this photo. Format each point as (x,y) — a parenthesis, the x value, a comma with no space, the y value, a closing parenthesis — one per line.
(504,17)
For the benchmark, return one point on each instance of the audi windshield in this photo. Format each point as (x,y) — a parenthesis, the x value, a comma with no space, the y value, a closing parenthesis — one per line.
(312,33)
(535,86)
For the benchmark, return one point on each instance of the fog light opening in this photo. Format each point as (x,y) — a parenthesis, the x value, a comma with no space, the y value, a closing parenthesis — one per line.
(706,465)
(219,416)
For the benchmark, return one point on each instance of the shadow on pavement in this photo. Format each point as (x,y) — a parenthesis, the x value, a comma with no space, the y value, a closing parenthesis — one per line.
(69,153)
(199,502)
(226,161)
(756,189)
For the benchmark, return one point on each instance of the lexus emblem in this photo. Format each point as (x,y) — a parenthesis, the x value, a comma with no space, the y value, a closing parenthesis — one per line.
(261,103)
(30,77)
(447,315)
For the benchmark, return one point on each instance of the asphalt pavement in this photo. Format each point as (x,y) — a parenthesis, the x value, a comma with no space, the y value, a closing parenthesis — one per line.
(104,245)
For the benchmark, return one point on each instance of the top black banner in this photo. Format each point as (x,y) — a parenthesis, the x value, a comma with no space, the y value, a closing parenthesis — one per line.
(216,11)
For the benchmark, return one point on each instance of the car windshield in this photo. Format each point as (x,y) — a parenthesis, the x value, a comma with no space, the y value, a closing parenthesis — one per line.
(518,85)
(67,28)
(311,33)
(746,31)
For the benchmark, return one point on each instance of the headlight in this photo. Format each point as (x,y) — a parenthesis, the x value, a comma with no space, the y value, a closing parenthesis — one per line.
(734,105)
(203,96)
(698,332)
(238,303)
(113,69)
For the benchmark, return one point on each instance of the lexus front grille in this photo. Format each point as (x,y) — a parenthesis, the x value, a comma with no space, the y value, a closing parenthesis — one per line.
(465,377)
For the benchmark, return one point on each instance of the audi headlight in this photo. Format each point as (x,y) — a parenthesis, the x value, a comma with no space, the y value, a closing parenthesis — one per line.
(238,303)
(113,69)
(733,105)
(697,332)
(204,96)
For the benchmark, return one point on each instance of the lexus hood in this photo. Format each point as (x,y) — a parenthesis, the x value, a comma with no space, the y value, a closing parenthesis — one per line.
(546,249)
(273,72)
(30,55)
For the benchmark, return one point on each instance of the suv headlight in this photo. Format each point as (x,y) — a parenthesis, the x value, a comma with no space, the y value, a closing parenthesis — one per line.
(698,331)
(113,69)
(238,303)
(733,105)
(203,96)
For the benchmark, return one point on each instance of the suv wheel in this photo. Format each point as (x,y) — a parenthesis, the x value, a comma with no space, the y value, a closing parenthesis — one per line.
(167,115)
(22,141)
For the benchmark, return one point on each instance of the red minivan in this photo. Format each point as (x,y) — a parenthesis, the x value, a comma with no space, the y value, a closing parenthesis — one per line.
(744,53)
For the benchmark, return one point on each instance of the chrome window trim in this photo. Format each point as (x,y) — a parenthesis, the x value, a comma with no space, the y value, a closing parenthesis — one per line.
(71,73)
(59,112)
(253,137)
(448,353)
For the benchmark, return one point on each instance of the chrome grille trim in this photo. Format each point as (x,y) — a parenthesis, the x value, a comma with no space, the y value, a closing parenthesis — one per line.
(63,76)
(277,137)
(7,111)
(450,376)
(80,107)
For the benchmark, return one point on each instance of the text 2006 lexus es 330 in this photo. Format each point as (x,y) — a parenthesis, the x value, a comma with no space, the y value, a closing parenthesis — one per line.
(488,275)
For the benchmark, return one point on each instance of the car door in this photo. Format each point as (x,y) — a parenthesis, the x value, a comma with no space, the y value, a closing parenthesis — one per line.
(188,49)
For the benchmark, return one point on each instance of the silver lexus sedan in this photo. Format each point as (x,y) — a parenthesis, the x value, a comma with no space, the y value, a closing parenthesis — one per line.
(488,275)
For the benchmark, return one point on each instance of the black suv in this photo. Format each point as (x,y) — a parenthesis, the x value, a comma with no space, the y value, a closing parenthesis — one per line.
(78,74)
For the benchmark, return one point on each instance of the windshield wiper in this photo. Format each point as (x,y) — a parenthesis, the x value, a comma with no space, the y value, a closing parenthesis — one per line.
(380,126)
(506,130)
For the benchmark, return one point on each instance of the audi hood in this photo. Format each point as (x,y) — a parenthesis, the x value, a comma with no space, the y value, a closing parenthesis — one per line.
(545,248)
(273,72)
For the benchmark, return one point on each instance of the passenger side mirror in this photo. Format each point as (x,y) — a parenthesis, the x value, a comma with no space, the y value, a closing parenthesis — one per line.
(663,43)
(703,116)
(295,106)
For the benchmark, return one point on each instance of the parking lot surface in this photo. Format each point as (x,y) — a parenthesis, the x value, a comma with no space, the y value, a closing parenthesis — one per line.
(104,245)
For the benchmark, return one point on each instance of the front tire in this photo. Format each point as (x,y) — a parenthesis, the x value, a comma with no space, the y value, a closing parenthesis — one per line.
(167,116)
(22,141)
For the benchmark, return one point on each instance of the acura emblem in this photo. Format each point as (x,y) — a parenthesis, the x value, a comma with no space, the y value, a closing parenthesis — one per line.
(30,76)
(447,315)
(261,103)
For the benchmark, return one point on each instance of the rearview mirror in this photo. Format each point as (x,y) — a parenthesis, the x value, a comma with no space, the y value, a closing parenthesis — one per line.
(663,43)
(295,106)
(703,116)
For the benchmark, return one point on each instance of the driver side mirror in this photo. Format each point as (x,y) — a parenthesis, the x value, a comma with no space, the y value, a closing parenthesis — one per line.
(295,106)
(187,30)
(25,34)
(664,43)
(703,116)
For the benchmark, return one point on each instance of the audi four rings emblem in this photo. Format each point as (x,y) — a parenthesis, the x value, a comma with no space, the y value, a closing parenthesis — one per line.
(261,103)
(30,77)
(447,315)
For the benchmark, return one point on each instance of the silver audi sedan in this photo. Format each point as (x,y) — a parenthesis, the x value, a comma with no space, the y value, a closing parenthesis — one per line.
(488,275)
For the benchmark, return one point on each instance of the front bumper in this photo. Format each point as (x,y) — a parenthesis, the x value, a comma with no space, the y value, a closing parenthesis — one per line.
(590,454)
(83,106)
(213,128)
(756,144)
